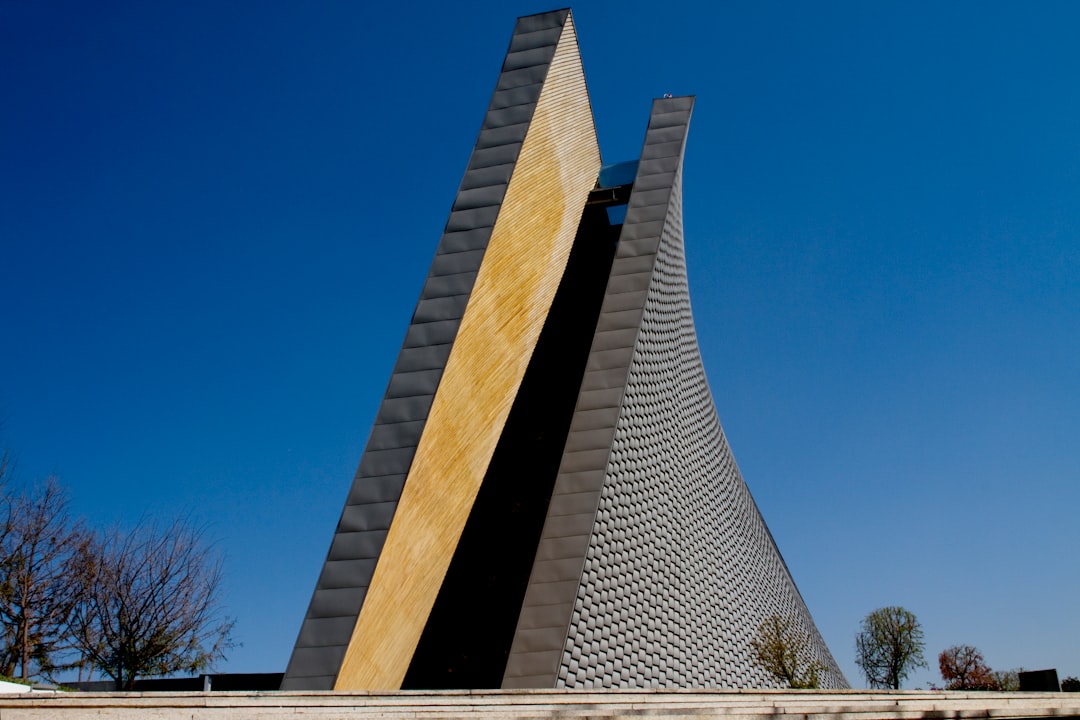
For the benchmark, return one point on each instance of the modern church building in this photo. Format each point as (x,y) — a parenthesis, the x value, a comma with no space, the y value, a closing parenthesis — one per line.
(546,498)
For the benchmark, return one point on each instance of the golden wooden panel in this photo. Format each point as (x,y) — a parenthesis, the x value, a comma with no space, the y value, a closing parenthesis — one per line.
(522,267)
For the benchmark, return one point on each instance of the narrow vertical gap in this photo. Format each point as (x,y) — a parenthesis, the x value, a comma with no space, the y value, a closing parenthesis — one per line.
(467,639)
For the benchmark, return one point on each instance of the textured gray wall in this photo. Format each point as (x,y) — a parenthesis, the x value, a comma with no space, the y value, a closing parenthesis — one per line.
(655,568)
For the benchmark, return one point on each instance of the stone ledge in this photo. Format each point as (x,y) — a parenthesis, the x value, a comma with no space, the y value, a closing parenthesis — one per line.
(542,705)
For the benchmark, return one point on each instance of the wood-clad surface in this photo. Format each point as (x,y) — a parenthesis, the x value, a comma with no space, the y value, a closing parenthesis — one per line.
(520,273)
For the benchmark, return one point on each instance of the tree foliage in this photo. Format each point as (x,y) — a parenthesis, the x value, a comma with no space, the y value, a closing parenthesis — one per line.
(1007,680)
(889,647)
(40,552)
(783,651)
(963,668)
(149,606)
(1070,684)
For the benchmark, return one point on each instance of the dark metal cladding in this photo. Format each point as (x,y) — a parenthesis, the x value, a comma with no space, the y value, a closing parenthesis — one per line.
(372,500)
(655,568)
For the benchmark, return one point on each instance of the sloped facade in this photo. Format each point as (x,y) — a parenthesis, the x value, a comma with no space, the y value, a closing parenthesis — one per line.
(547,498)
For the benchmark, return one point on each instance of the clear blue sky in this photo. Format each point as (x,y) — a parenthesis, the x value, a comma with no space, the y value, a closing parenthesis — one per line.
(215,219)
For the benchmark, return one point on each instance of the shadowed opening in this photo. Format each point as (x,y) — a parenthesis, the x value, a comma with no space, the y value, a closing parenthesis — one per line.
(467,639)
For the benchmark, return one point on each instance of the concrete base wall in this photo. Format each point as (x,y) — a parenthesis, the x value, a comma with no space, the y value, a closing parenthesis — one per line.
(540,705)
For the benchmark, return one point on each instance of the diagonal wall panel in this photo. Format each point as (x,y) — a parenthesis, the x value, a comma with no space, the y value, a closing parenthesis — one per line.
(523,264)
(532,137)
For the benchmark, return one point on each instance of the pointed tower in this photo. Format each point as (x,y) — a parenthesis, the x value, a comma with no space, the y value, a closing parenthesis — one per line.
(547,498)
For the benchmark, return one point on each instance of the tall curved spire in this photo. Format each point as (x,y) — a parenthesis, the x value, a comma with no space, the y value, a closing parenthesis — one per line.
(547,498)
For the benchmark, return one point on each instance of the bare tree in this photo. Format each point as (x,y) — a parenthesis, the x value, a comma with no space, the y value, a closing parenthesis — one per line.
(40,549)
(150,605)
(783,651)
(5,497)
(889,647)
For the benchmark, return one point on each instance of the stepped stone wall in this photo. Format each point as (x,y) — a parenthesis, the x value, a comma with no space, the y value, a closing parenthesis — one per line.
(541,705)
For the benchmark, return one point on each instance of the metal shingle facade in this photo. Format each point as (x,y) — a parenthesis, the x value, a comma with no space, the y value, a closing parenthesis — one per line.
(655,568)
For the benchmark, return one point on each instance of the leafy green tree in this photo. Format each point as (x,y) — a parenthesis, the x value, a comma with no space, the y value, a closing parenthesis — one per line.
(783,651)
(889,646)
(1070,684)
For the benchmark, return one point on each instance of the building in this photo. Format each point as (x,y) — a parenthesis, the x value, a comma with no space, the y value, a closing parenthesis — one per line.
(546,498)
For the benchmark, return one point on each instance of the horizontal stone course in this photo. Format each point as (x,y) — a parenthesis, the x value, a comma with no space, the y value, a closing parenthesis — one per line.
(540,705)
